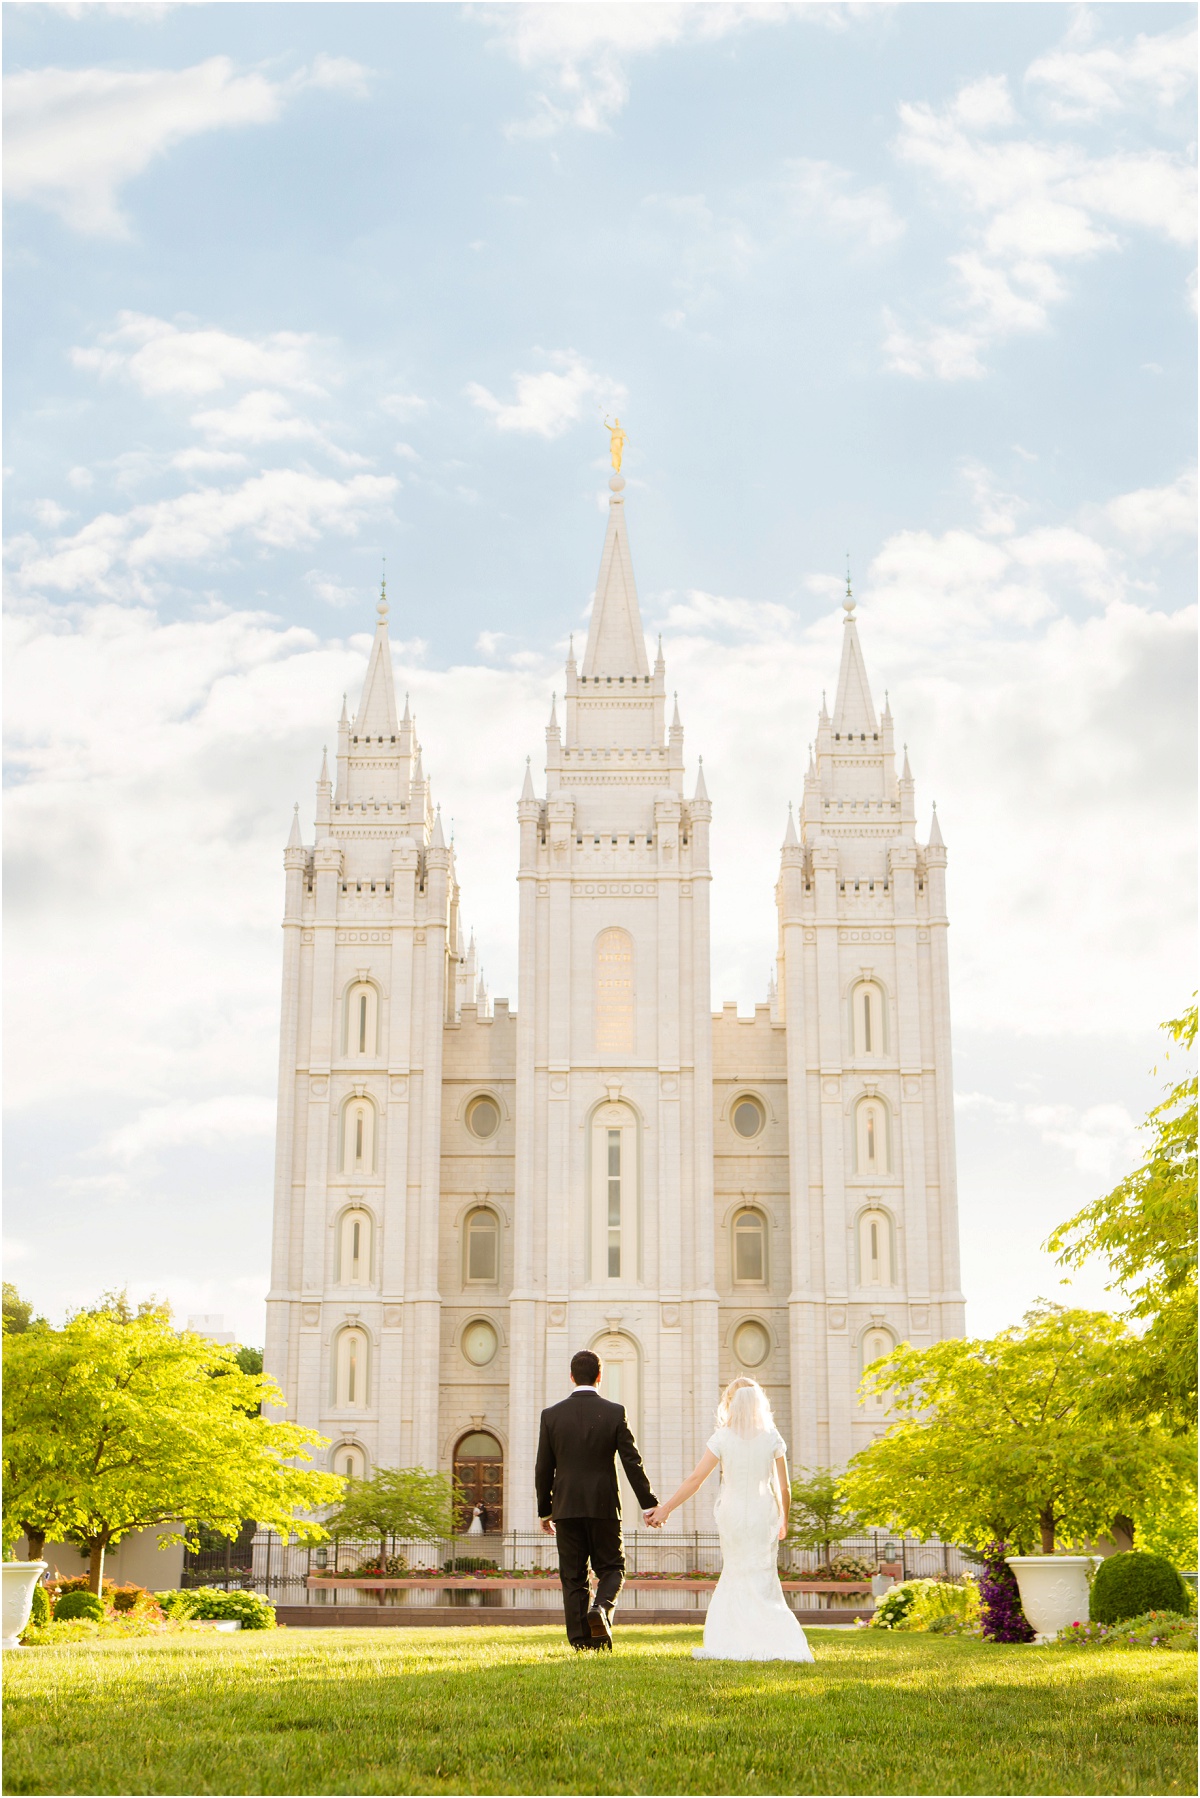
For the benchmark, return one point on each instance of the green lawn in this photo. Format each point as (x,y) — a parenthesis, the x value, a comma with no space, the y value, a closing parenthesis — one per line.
(512,1710)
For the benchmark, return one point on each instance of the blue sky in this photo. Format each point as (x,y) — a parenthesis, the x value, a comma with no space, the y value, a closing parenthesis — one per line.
(291,288)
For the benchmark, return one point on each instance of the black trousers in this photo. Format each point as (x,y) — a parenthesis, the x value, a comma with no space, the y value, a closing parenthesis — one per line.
(580,1540)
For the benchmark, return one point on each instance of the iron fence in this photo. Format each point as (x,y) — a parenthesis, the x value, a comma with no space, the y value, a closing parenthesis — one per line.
(280,1570)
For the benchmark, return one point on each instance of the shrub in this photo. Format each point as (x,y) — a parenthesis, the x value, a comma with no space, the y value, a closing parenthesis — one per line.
(945,1608)
(389,1567)
(845,1567)
(893,1608)
(1128,1585)
(1156,1629)
(1001,1616)
(80,1583)
(75,1605)
(250,1610)
(41,1612)
(124,1598)
(81,1629)
(469,1564)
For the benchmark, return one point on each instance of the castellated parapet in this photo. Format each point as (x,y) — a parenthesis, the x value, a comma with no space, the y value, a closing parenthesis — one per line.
(465,1194)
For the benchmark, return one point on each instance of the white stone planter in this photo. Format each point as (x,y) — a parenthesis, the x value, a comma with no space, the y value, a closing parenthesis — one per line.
(20,1577)
(1054,1590)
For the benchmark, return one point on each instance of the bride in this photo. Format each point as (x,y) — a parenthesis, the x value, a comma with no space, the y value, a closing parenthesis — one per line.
(748,1618)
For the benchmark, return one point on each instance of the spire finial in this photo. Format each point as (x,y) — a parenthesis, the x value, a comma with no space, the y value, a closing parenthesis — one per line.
(382,607)
(848,602)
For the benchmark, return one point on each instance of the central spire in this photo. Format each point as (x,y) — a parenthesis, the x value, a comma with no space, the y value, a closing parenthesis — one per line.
(616,644)
(377,707)
(853,710)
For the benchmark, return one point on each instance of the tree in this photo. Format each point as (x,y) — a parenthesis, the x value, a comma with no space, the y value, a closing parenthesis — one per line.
(1146,1229)
(819,1517)
(18,1312)
(396,1501)
(117,1423)
(1012,1438)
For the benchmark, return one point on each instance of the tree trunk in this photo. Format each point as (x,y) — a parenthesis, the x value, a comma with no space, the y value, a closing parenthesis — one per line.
(1046,1520)
(96,1565)
(36,1539)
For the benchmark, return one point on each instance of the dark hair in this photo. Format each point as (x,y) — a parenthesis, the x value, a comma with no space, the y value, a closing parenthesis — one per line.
(585,1368)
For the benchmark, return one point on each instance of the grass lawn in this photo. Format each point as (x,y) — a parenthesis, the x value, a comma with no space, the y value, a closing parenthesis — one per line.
(512,1710)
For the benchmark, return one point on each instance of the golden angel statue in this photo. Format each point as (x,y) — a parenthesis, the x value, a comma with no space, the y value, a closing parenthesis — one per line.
(616,440)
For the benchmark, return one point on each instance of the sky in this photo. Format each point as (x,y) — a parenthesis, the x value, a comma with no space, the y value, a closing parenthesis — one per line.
(292,289)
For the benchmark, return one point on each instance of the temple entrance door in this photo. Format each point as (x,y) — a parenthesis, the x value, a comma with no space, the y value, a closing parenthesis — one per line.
(620,1383)
(479,1476)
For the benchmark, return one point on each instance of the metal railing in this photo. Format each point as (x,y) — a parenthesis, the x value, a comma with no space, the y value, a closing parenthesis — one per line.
(280,1570)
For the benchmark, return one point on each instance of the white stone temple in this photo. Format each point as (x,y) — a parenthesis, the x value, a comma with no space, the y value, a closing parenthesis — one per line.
(465,1194)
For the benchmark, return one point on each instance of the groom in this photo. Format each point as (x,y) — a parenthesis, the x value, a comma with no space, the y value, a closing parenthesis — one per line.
(578,1500)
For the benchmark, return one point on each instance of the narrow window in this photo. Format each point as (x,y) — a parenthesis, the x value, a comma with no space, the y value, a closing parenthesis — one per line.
(614,1204)
(870,1135)
(358,1136)
(355,1240)
(482,1247)
(749,1257)
(874,1251)
(866,1021)
(362,1024)
(352,1371)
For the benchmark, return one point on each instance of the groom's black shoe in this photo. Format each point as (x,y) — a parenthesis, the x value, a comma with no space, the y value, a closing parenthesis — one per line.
(599,1625)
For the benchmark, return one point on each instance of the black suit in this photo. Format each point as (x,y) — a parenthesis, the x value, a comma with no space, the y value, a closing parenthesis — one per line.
(576,1478)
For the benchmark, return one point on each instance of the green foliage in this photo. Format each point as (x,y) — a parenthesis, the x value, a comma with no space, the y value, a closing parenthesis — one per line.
(468,1564)
(250,1610)
(1010,1438)
(40,1611)
(73,1605)
(819,1516)
(893,1608)
(250,1360)
(1146,1229)
(945,1607)
(1153,1629)
(18,1312)
(116,1423)
(1126,1585)
(396,1501)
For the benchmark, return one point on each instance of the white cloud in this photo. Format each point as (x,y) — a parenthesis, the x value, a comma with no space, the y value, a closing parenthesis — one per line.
(584,49)
(1031,208)
(1153,516)
(163,358)
(115,553)
(1084,80)
(404,406)
(228,1117)
(73,137)
(546,404)
(828,194)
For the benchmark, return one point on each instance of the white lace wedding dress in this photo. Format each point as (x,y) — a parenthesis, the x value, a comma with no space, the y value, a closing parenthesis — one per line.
(748,1618)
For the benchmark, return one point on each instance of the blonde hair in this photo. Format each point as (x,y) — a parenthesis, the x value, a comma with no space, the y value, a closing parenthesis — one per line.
(744,1408)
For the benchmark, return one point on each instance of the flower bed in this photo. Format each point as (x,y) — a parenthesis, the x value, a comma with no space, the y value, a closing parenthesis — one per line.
(1153,1629)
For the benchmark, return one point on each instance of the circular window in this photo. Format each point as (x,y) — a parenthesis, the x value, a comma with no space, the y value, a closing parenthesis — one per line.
(480,1342)
(483,1118)
(748,1117)
(751,1344)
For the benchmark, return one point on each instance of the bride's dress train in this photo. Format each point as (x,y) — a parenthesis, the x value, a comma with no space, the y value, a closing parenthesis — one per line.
(748,1618)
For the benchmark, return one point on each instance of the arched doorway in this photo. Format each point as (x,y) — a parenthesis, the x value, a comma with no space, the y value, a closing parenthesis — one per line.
(621,1382)
(479,1476)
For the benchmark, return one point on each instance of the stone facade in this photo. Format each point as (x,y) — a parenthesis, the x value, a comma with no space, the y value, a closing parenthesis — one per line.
(465,1195)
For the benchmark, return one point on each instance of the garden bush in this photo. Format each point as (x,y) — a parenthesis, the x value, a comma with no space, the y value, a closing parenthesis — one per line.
(124,1598)
(1156,1629)
(469,1564)
(75,1605)
(893,1608)
(41,1612)
(204,1602)
(1130,1584)
(945,1608)
(1001,1616)
(80,1583)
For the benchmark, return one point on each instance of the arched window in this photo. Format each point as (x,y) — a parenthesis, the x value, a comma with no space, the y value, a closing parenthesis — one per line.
(871,1149)
(354,1248)
(876,1265)
(614,1238)
(358,1136)
(749,1248)
(479,1476)
(483,1117)
(868,1017)
(614,993)
(362,1021)
(482,1258)
(350,1461)
(751,1343)
(479,1342)
(747,1115)
(352,1369)
(876,1343)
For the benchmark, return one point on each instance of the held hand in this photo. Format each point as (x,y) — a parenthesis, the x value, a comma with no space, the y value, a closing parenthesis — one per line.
(657,1517)
(547,1524)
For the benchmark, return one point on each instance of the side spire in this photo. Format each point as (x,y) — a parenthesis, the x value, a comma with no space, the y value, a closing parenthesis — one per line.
(790,839)
(376,715)
(935,831)
(701,788)
(296,841)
